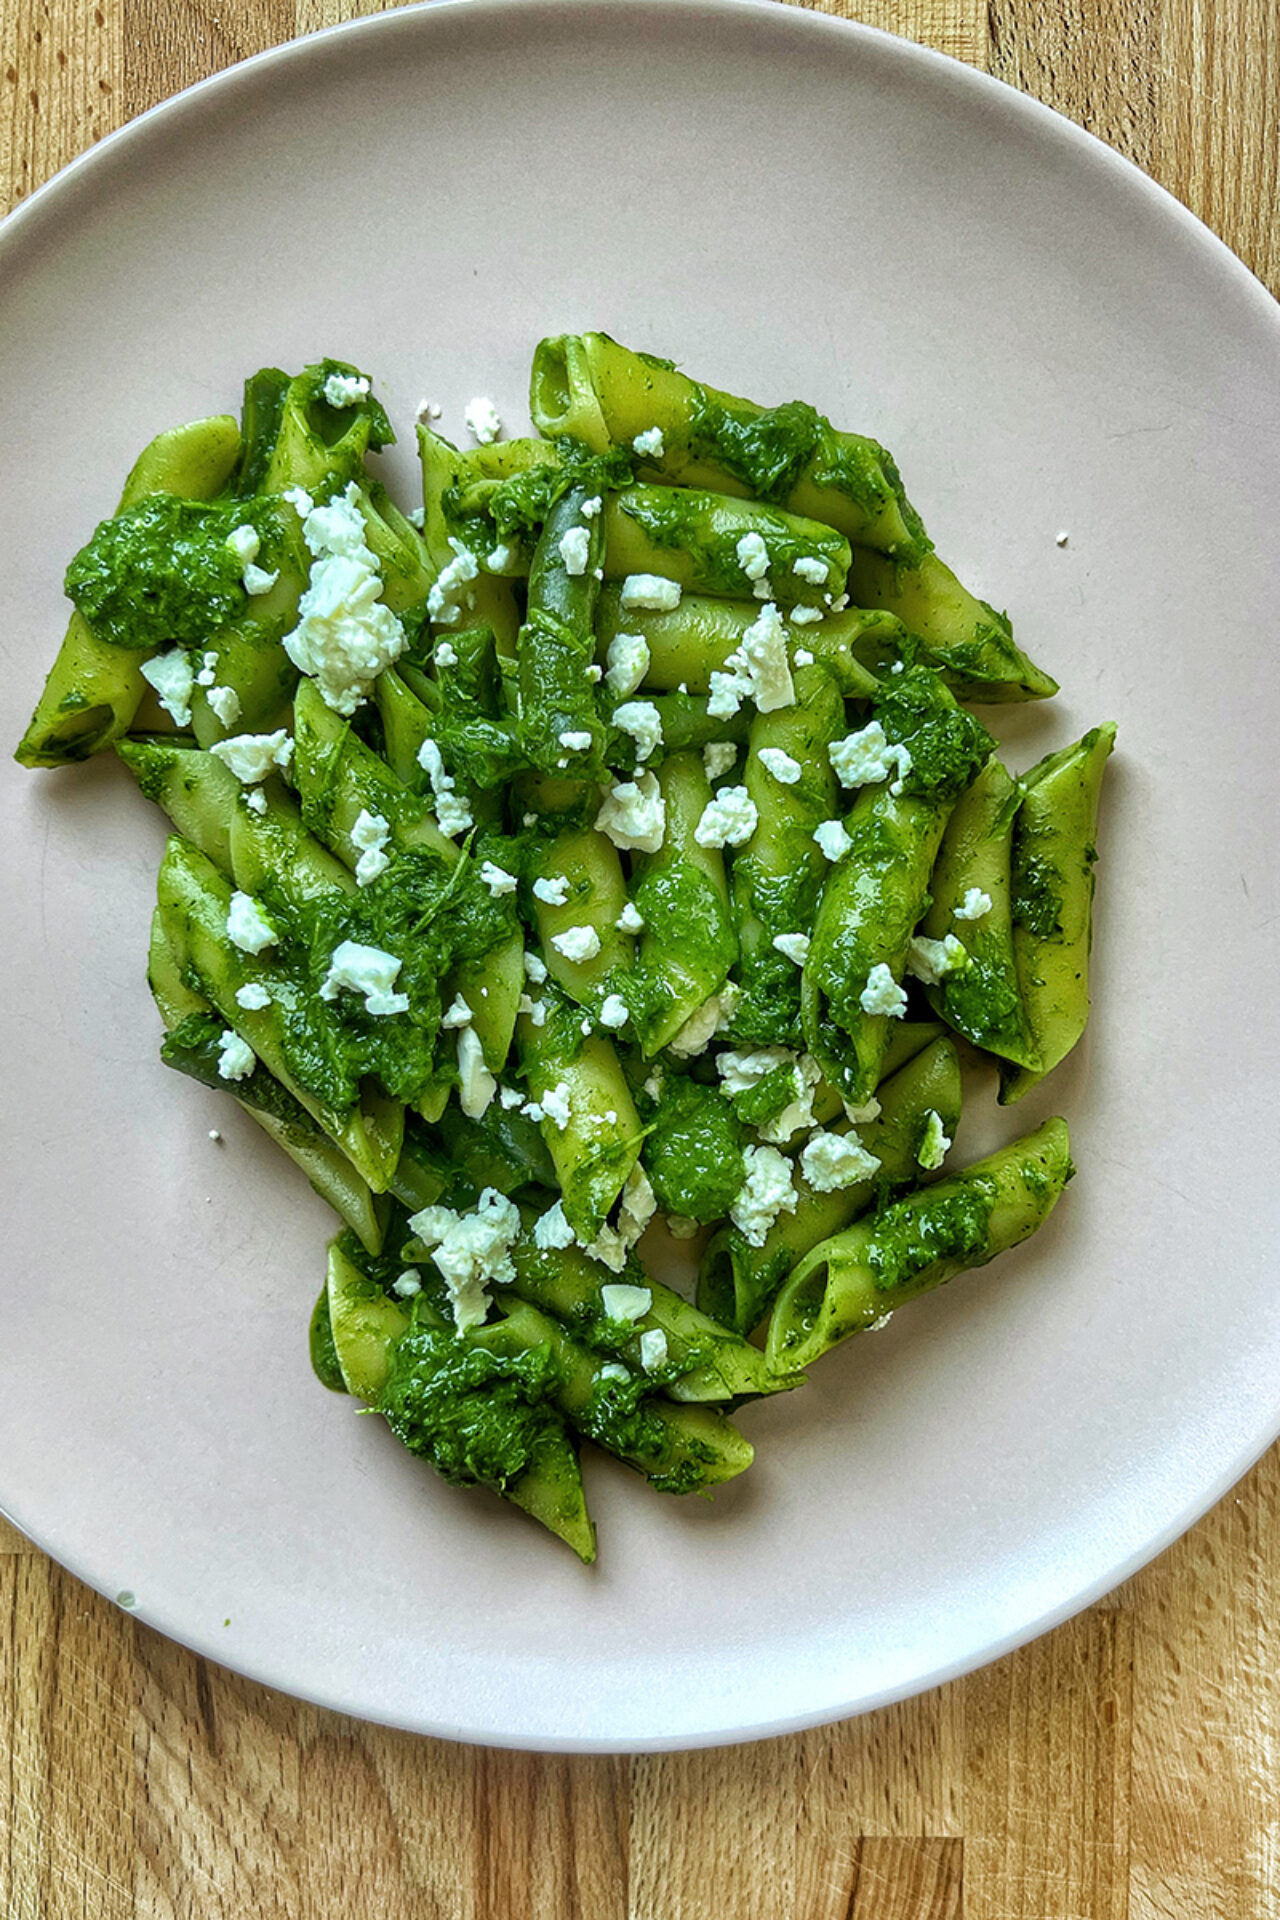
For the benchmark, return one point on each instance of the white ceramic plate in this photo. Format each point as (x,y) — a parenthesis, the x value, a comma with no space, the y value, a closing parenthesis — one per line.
(790,206)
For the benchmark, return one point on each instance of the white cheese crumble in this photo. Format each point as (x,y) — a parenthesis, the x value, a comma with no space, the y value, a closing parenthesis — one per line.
(537,1012)
(505,558)
(740,1071)
(509,1097)
(882,994)
(650,590)
(535,967)
(369,836)
(634,815)
(639,1202)
(862,759)
(497,879)
(458,1015)
(253,996)
(794,945)
(718,756)
(653,1349)
(224,703)
(449,591)
(576,741)
(453,815)
(727,821)
(344,389)
(577,943)
(640,719)
(172,676)
(446,654)
(252,756)
(974,906)
(767,1191)
(590,508)
(244,544)
(628,662)
(208,669)
(575,551)
(406,1284)
(476,1085)
(803,657)
(753,556)
(368,971)
(553,892)
(814,572)
(650,443)
(831,1161)
(757,669)
(833,839)
(482,420)
(345,636)
(624,1302)
(934,1142)
(235,1058)
(255,799)
(930,961)
(804,617)
(429,410)
(257,580)
(555,1105)
(247,925)
(472,1251)
(613,1012)
(630,920)
(785,770)
(551,1229)
(699,1029)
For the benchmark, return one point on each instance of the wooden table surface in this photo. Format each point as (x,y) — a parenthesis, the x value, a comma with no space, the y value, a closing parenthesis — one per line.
(1126,1765)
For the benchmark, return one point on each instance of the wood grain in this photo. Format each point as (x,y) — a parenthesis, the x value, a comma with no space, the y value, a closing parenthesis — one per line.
(1126,1765)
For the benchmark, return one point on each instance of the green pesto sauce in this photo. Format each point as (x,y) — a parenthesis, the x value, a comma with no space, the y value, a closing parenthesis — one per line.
(767,451)
(334,424)
(685,915)
(480,1418)
(618,1417)
(948,745)
(767,1010)
(764,1101)
(161,572)
(260,416)
(906,1239)
(693,1155)
(982,1000)
(520,504)
(193,1047)
(1036,892)
(501,1149)
(680,519)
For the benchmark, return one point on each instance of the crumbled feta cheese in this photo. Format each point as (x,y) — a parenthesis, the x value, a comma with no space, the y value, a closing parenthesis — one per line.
(446,654)
(1060,539)
(577,943)
(814,572)
(172,676)
(741,1071)
(718,756)
(794,945)
(650,443)
(930,961)
(257,580)
(576,742)
(368,971)
(555,1105)
(344,389)
(638,1203)
(681,1228)
(784,769)
(551,1229)
(590,508)
(406,1285)
(858,1116)
(831,1161)
(476,1085)
(244,544)
(882,994)
(417,517)
(862,759)
(224,703)
(634,815)
(505,558)
(974,906)
(247,925)
(650,590)
(472,1251)
(834,841)
(553,892)
(453,815)
(653,1085)
(255,799)
(208,669)
(509,1097)
(640,719)
(698,1030)
(767,1191)
(757,669)
(458,1015)
(803,657)
(624,1302)
(613,1012)
(628,663)
(253,996)
(497,879)
(630,920)
(575,551)
(934,1142)
(653,1349)
(449,591)
(805,616)
(429,410)
(753,556)
(537,1012)
(252,756)
(235,1058)
(345,636)
(370,835)
(727,821)
(482,420)
(300,500)
(535,967)
(595,674)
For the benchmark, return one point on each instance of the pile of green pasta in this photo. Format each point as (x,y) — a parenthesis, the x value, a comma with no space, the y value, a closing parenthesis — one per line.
(686,859)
